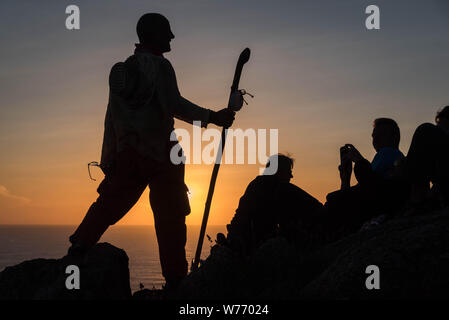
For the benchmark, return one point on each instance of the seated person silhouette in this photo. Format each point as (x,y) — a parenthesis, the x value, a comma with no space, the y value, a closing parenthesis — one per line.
(269,206)
(378,190)
(427,161)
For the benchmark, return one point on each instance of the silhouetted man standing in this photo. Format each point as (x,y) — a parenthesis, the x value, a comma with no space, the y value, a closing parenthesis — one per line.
(144,98)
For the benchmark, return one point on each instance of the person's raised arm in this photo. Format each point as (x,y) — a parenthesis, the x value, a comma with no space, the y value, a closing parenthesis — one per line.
(345,168)
(362,167)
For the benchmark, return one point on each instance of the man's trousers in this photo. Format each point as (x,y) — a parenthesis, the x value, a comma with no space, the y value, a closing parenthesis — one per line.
(122,188)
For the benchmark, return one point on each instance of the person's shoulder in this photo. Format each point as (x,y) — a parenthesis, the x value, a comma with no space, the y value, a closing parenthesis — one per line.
(136,76)
(389,152)
(117,77)
(263,179)
(166,65)
(123,73)
(119,69)
(290,187)
(259,181)
(396,153)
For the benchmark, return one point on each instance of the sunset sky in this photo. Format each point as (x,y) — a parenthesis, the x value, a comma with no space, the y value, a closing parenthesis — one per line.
(318,75)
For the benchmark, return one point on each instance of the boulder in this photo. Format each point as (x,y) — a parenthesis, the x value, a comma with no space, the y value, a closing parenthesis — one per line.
(104,274)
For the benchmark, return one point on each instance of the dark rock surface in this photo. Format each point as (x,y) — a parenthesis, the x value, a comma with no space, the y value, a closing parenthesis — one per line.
(412,254)
(104,274)
(224,275)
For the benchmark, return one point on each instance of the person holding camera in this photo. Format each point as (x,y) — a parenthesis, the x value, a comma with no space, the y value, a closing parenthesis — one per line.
(379,190)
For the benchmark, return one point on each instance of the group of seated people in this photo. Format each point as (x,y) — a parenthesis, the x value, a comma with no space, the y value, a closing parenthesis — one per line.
(391,184)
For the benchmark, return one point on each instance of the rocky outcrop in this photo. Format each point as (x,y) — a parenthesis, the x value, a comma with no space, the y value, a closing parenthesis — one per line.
(104,274)
(412,254)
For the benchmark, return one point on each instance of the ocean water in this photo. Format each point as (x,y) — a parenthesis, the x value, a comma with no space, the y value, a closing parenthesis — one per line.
(20,243)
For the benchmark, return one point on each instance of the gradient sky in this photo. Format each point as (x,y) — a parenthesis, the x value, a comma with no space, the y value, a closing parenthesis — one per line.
(318,76)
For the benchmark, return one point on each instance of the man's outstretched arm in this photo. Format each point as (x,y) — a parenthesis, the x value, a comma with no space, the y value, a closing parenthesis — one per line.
(182,108)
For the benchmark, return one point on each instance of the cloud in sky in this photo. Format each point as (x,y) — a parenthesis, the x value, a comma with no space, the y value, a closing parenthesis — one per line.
(4,192)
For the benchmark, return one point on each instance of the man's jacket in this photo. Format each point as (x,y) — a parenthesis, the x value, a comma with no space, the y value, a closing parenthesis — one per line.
(143,100)
(269,205)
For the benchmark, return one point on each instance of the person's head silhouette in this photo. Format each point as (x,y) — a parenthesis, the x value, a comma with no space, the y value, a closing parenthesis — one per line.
(284,166)
(442,118)
(386,133)
(153,30)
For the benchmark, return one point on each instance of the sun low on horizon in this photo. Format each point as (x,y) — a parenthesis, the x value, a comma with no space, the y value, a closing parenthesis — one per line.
(318,76)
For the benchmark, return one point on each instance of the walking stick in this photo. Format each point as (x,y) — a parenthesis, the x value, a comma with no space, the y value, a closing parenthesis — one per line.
(243,58)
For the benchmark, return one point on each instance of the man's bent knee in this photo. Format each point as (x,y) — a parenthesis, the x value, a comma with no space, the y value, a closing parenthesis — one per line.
(169,202)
